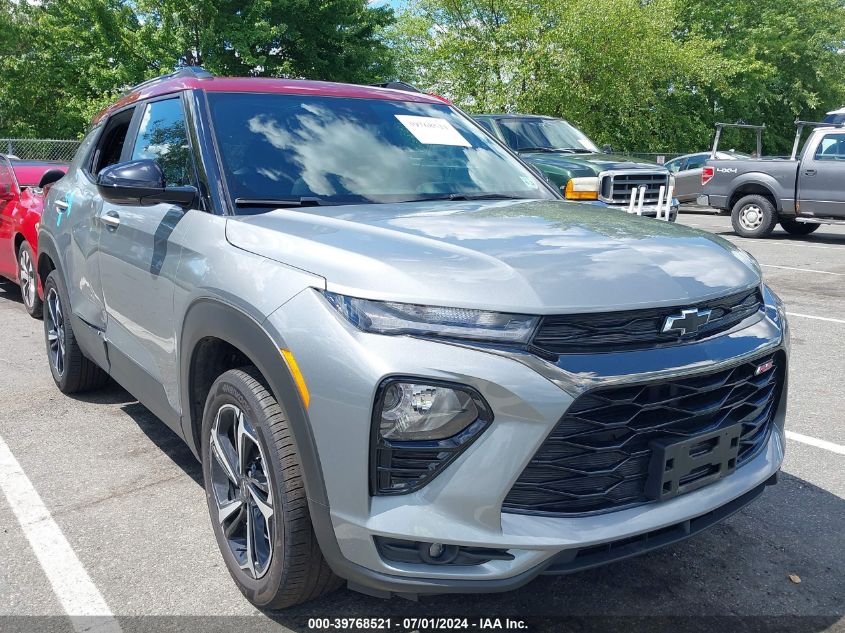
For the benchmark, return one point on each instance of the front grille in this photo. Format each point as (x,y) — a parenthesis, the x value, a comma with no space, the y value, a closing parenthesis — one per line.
(638,329)
(597,456)
(616,187)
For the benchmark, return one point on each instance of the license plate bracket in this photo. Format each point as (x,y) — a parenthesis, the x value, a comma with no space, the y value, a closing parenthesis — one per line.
(681,466)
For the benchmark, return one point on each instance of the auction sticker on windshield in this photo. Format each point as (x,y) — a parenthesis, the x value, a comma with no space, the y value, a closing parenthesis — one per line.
(432,131)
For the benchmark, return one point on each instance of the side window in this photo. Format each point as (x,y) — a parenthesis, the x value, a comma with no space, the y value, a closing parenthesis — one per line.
(832,147)
(7,180)
(674,166)
(696,162)
(110,148)
(84,155)
(487,125)
(163,138)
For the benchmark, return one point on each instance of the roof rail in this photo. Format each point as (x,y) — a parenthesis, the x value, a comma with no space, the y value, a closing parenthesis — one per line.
(197,72)
(397,85)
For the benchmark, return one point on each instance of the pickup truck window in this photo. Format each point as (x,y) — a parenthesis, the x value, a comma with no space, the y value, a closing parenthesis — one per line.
(551,134)
(328,151)
(831,147)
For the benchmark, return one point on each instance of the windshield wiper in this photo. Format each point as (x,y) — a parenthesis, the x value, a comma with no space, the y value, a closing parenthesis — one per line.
(467,196)
(556,150)
(301,201)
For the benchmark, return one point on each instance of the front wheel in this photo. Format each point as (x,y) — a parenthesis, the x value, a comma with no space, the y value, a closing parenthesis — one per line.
(798,228)
(256,497)
(28,281)
(754,216)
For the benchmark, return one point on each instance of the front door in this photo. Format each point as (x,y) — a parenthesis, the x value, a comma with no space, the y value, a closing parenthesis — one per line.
(820,178)
(138,262)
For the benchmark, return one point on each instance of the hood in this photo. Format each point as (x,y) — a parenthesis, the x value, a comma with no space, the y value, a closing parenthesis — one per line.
(587,164)
(524,256)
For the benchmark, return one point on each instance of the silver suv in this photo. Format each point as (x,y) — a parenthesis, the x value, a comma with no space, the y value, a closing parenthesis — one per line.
(403,361)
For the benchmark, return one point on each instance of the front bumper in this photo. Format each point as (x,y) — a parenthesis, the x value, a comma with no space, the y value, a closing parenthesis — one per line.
(343,368)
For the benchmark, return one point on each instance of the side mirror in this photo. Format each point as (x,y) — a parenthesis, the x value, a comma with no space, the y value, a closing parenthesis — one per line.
(141,182)
(50,176)
(606,149)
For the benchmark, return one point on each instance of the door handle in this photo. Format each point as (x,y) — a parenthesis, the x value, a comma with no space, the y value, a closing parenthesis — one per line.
(111,219)
(810,172)
(61,206)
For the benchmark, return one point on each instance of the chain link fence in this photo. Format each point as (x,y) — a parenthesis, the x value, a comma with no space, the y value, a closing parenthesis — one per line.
(63,150)
(660,158)
(39,148)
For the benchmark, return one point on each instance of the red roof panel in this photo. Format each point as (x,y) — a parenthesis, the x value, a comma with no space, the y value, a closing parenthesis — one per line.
(267,85)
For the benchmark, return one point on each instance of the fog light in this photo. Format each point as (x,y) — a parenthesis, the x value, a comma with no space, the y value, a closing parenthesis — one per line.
(412,411)
(435,550)
(419,428)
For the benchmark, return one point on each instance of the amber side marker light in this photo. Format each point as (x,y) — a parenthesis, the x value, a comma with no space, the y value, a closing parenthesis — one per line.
(297,376)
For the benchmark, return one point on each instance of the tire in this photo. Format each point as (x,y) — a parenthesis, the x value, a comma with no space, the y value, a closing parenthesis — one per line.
(754,216)
(287,568)
(798,228)
(71,370)
(28,280)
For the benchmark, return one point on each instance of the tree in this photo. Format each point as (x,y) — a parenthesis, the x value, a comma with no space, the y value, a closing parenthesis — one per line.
(62,60)
(638,74)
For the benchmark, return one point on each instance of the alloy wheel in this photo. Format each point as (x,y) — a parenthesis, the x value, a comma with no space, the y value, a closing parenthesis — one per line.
(750,217)
(242,490)
(27,277)
(55,323)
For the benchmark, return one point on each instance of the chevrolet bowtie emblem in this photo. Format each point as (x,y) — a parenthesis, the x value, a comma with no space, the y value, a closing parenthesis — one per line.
(687,322)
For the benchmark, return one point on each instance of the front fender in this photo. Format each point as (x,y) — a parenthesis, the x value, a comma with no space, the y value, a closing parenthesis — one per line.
(214,318)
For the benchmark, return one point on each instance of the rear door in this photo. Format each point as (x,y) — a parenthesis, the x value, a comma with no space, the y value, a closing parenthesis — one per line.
(8,197)
(138,263)
(821,176)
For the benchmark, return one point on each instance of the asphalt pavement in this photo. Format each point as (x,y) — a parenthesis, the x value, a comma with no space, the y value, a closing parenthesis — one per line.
(126,496)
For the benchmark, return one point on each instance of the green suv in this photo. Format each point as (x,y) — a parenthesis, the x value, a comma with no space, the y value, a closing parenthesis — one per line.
(576,166)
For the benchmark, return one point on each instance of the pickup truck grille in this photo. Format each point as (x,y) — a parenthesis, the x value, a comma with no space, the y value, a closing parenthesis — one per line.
(597,457)
(616,187)
(638,329)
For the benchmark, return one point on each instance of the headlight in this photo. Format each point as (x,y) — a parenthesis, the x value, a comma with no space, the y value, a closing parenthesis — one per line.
(586,188)
(672,181)
(419,428)
(382,317)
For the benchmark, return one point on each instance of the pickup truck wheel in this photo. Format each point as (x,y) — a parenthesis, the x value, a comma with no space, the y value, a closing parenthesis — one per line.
(256,497)
(28,281)
(798,228)
(72,371)
(754,216)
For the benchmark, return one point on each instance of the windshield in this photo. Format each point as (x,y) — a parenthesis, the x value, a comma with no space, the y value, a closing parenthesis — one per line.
(538,134)
(299,150)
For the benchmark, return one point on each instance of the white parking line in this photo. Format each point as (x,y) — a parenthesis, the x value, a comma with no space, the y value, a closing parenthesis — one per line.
(803,270)
(817,318)
(813,441)
(77,594)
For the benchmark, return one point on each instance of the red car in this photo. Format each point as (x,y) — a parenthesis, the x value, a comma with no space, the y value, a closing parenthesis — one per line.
(21,203)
